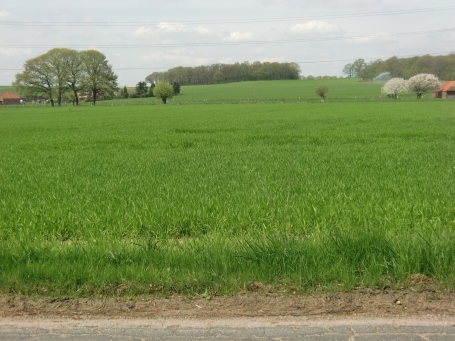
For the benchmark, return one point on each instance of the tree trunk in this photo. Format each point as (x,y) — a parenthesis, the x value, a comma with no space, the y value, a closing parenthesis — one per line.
(94,97)
(164,100)
(76,97)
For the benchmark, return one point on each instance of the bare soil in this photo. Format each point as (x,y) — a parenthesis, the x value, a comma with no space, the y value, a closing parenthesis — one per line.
(421,299)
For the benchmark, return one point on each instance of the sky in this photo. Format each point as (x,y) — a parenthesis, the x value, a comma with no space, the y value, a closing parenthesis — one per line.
(139,37)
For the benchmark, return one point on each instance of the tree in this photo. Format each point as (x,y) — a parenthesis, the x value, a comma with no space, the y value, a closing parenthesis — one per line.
(141,89)
(218,76)
(394,86)
(321,90)
(56,60)
(163,91)
(359,67)
(422,83)
(98,74)
(75,72)
(154,77)
(348,70)
(176,87)
(38,78)
(124,92)
(151,87)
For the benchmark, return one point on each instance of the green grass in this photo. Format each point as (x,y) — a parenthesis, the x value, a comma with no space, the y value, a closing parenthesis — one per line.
(291,90)
(7,88)
(187,198)
(263,92)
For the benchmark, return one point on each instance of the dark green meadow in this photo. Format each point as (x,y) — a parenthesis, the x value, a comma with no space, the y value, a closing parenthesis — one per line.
(162,199)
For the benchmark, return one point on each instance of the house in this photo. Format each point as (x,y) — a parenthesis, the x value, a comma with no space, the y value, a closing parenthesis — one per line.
(446,90)
(7,98)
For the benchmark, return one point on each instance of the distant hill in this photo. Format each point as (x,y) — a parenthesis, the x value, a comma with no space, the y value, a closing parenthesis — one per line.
(294,90)
(283,89)
(7,88)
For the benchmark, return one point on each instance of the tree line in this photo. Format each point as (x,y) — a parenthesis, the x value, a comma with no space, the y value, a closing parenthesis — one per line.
(225,73)
(143,90)
(63,73)
(442,67)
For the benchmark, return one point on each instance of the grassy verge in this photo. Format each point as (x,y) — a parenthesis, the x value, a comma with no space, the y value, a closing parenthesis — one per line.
(188,198)
(336,260)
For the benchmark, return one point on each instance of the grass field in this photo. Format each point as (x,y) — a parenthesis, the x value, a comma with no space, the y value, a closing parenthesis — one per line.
(194,198)
(264,92)
(293,90)
(7,88)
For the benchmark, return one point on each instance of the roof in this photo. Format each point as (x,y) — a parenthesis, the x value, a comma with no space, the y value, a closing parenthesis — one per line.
(447,86)
(9,95)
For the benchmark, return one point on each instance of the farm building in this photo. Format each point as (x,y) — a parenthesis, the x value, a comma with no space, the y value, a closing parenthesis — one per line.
(447,90)
(7,98)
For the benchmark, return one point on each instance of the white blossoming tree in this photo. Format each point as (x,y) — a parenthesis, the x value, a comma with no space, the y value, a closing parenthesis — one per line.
(394,86)
(422,83)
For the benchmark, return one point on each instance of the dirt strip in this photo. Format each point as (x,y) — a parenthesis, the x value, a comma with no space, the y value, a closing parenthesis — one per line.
(367,302)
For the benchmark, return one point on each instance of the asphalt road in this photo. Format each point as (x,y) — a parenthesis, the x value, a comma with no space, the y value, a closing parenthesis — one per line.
(362,329)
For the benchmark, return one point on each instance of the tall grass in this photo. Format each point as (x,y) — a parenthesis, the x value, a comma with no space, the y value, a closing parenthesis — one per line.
(182,198)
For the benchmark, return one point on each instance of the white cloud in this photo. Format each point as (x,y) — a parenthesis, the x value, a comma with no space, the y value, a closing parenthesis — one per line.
(383,37)
(260,50)
(202,30)
(240,36)
(15,52)
(175,58)
(5,15)
(142,31)
(343,3)
(169,29)
(315,26)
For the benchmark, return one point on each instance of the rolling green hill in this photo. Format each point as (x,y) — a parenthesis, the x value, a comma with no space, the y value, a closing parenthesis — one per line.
(287,89)
(284,90)
(263,91)
(7,88)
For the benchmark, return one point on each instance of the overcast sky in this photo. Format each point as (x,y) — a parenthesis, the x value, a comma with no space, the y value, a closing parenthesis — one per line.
(142,36)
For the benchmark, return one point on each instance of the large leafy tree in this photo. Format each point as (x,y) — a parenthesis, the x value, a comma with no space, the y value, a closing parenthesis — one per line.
(141,89)
(359,67)
(98,74)
(56,58)
(154,77)
(348,70)
(394,86)
(60,70)
(38,78)
(164,91)
(74,72)
(419,84)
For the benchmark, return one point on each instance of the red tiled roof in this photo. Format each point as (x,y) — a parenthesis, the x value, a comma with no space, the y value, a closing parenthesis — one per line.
(447,86)
(9,95)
